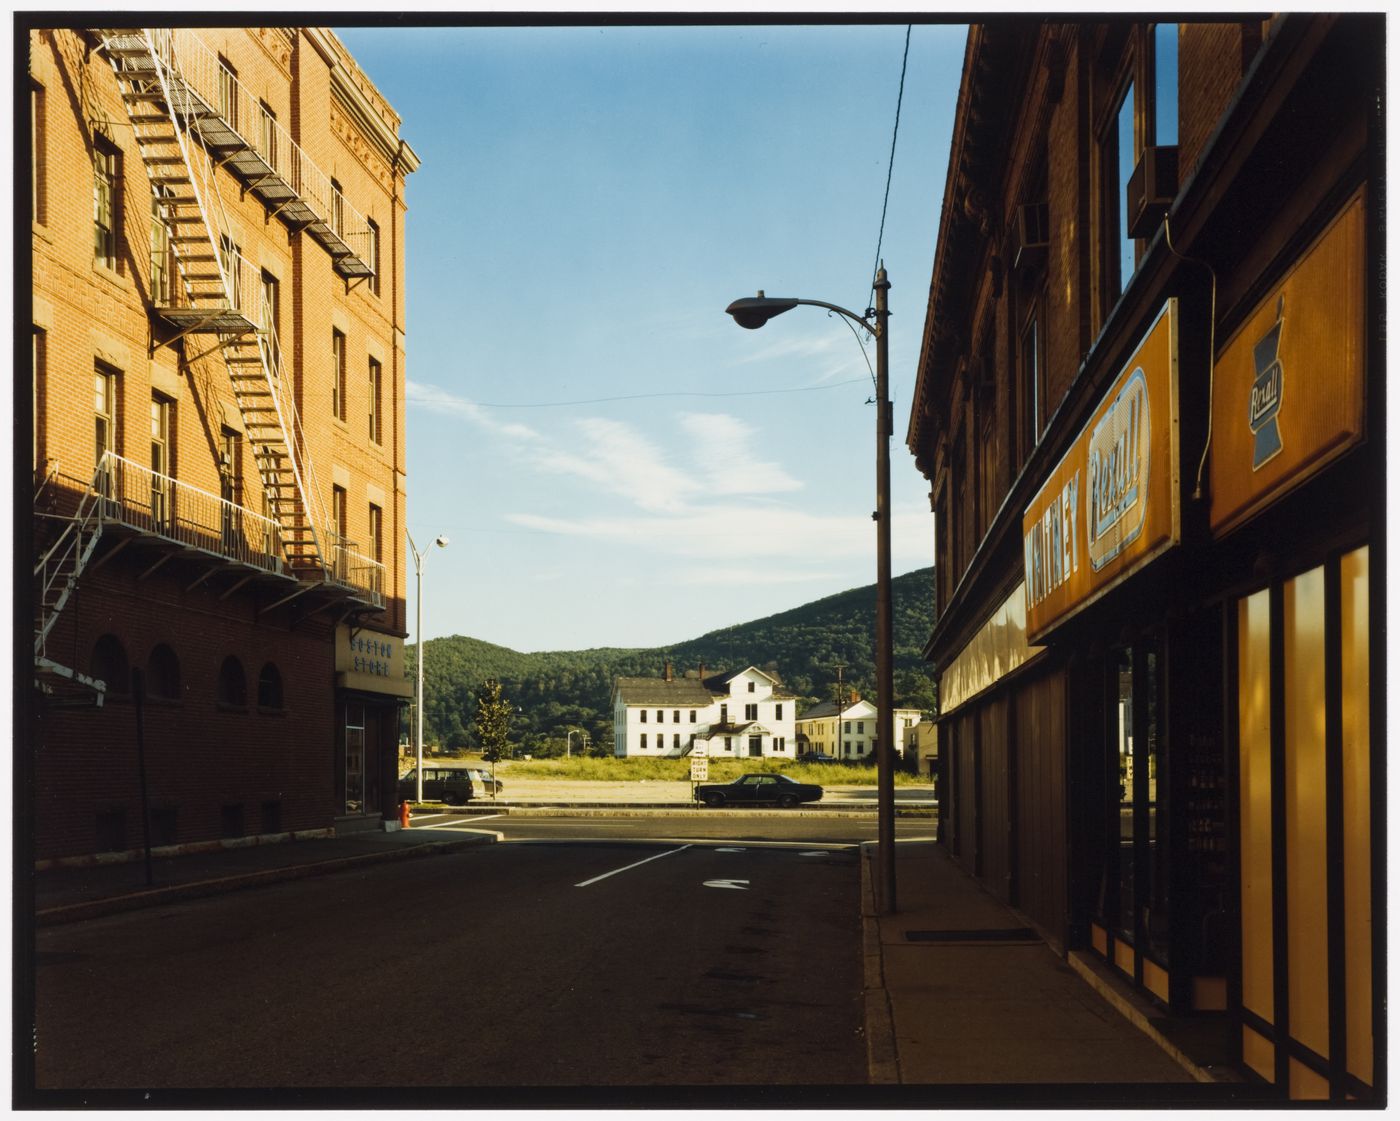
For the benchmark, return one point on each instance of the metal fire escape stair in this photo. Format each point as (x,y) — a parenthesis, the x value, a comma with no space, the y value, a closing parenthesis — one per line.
(168,115)
(56,576)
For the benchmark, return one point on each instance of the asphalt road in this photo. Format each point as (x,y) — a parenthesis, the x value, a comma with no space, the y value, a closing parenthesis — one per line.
(776,827)
(512,965)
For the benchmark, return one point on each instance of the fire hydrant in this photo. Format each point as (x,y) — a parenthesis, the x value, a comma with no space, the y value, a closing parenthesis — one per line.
(403,815)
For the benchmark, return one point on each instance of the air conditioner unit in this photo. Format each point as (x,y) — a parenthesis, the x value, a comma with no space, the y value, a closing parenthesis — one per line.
(1151,190)
(1032,235)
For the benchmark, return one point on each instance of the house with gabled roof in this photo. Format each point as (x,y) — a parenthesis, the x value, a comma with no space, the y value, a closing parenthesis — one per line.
(746,713)
(848,731)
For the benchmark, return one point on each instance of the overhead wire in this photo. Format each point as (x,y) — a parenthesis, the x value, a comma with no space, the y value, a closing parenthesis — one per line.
(889,174)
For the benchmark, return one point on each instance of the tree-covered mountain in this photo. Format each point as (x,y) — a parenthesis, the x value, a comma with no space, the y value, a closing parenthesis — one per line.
(561,690)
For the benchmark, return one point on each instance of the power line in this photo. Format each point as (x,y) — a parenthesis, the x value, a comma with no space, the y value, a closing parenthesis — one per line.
(899,104)
(675,393)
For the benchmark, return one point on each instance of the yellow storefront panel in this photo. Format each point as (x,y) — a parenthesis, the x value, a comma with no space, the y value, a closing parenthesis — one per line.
(1112,504)
(1356,808)
(1289,390)
(1305,807)
(1305,1084)
(1258,1053)
(1256,833)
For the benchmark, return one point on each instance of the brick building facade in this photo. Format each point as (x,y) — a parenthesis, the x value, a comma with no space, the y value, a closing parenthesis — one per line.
(1149,406)
(218,437)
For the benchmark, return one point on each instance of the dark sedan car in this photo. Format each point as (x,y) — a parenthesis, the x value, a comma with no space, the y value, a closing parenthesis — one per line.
(751,790)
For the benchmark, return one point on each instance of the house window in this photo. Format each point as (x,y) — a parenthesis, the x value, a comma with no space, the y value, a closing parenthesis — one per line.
(778,711)
(163,673)
(267,134)
(109,664)
(1031,381)
(751,712)
(105,408)
(228,92)
(270,316)
(41,391)
(338,375)
(676,740)
(644,741)
(724,714)
(676,717)
(270,688)
(728,743)
(644,716)
(750,686)
(692,716)
(231,264)
(860,726)
(1164,84)
(337,209)
(338,514)
(376,384)
(232,684)
(1143,111)
(160,250)
(848,726)
(373,255)
(105,206)
(660,716)
(161,483)
(376,532)
(38,171)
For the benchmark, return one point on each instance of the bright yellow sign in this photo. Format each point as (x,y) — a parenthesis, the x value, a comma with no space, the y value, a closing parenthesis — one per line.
(1289,392)
(1113,502)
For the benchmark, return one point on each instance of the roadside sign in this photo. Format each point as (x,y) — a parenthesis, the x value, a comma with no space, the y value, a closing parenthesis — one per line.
(699,768)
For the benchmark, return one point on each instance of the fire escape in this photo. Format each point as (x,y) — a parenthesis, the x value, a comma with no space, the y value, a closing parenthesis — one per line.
(190,115)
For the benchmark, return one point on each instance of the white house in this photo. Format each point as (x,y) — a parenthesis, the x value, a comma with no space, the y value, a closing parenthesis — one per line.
(849,732)
(742,714)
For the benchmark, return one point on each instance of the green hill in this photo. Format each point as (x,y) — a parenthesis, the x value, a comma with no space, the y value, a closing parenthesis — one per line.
(559,690)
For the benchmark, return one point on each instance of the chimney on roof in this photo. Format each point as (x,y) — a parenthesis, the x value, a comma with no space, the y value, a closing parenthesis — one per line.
(855,697)
(702,671)
(668,669)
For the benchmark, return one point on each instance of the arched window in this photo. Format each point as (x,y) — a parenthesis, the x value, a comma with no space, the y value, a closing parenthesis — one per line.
(233,685)
(270,687)
(163,674)
(109,664)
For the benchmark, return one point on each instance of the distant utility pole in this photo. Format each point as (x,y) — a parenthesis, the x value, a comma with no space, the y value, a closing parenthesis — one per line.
(839,667)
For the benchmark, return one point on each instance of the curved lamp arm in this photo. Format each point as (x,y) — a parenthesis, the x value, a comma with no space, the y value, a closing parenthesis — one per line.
(752,312)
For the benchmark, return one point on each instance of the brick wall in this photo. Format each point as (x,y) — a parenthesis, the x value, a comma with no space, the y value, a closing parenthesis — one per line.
(202,757)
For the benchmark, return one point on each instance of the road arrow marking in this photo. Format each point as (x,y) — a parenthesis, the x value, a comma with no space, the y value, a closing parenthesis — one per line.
(733,885)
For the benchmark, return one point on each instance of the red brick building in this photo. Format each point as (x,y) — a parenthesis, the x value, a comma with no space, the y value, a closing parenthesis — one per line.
(218,448)
(1149,404)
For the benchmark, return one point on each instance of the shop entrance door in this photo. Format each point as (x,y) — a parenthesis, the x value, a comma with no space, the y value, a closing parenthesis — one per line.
(1133,922)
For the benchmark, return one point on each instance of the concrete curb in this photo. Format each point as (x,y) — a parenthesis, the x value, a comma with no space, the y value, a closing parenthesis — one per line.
(881,1045)
(155,897)
(667,809)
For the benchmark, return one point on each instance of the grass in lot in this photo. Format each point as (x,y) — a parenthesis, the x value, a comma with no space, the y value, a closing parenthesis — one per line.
(678,770)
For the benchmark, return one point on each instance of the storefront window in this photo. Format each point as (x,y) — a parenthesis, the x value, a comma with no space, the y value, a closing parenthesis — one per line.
(1126,786)
(354,759)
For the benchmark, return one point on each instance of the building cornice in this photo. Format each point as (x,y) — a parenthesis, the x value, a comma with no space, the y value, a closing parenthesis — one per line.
(357,94)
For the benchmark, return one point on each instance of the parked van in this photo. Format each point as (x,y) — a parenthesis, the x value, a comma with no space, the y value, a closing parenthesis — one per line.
(452,785)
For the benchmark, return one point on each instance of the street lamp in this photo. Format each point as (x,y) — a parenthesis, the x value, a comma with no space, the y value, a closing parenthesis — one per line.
(418,561)
(752,313)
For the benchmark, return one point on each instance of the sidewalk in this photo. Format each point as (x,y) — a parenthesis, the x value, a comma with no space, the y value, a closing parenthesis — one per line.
(961,996)
(69,894)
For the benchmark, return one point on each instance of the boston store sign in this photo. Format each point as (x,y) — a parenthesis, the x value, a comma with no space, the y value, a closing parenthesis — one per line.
(1111,505)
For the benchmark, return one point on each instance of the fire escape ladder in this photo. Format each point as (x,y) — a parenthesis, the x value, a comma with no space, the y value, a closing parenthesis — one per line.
(220,290)
(58,569)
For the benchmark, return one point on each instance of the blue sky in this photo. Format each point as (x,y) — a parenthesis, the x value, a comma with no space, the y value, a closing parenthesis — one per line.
(615,462)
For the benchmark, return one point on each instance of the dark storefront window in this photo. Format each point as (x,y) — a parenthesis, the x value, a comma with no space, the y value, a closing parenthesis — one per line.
(1134,893)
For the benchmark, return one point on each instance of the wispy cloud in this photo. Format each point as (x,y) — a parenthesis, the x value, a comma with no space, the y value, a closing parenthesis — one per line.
(711,498)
